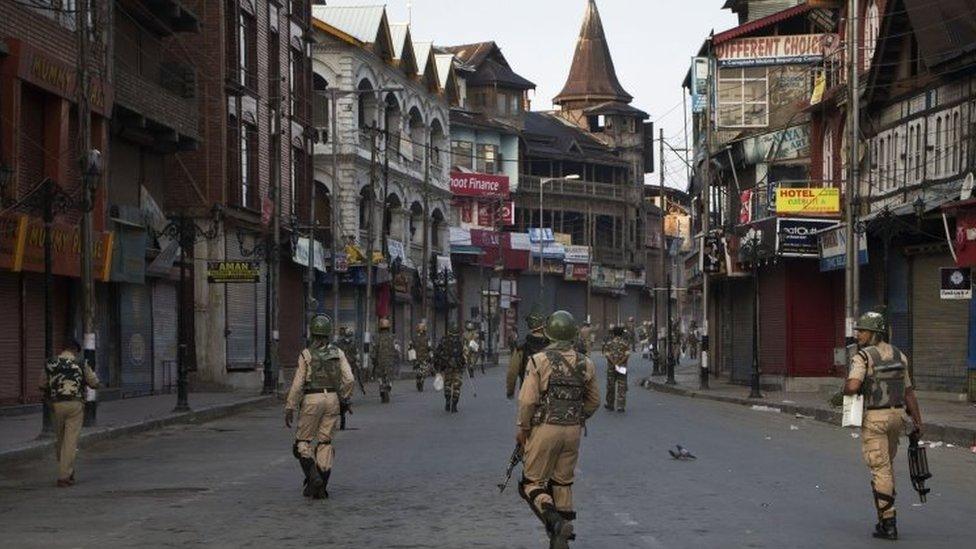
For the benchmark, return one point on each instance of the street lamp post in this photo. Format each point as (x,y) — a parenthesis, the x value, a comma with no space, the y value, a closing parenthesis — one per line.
(187,233)
(755,251)
(542,184)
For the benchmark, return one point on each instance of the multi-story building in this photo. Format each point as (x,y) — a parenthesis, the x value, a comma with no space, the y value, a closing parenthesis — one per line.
(392,101)
(588,156)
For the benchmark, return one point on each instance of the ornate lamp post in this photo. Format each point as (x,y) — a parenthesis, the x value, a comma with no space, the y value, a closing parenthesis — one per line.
(754,251)
(268,251)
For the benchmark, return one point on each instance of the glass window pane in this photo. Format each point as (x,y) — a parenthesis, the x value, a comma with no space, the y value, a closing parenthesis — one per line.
(754,91)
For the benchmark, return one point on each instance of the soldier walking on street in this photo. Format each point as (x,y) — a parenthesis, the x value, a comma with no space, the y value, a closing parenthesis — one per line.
(384,358)
(420,346)
(449,362)
(558,395)
(617,353)
(535,341)
(347,344)
(470,347)
(879,371)
(322,384)
(65,379)
(585,340)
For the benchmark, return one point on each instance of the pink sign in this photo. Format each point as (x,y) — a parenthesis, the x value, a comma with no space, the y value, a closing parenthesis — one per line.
(479,185)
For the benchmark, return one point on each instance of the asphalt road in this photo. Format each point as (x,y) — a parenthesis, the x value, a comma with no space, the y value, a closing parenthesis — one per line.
(410,475)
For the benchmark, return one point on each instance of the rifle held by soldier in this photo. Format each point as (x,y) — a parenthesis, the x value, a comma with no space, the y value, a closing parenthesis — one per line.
(512,463)
(918,466)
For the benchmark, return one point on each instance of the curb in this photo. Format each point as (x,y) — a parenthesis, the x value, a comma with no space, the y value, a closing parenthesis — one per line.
(37,449)
(960,436)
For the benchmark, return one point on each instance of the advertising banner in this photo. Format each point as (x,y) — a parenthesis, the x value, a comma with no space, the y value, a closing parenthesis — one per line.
(799,237)
(699,84)
(233,272)
(745,211)
(755,51)
(577,254)
(807,201)
(479,185)
(833,249)
(576,272)
(957,283)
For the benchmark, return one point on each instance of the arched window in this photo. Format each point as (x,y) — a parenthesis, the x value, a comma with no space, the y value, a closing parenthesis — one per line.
(918,152)
(320,102)
(872,27)
(365,203)
(937,169)
(882,165)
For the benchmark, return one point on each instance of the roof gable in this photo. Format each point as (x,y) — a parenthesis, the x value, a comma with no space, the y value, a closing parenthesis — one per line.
(592,76)
(403,50)
(367,24)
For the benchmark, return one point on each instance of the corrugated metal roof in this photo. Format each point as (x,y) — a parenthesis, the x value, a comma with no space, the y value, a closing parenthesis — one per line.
(945,30)
(360,22)
(758,24)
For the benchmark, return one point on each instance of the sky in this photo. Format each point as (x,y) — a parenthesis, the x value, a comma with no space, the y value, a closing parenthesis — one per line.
(651,42)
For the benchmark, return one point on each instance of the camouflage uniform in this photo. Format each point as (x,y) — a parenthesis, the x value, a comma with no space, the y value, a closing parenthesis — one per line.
(64,382)
(470,355)
(384,357)
(421,364)
(449,361)
(534,342)
(617,352)
(883,369)
(585,339)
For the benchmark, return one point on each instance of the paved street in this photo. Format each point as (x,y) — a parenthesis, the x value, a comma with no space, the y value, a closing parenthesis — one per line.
(410,475)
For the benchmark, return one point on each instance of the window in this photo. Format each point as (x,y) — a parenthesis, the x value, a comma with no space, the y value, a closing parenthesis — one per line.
(918,152)
(501,103)
(938,147)
(828,156)
(487,159)
(957,157)
(515,106)
(872,26)
(248,161)
(882,165)
(297,85)
(742,98)
(461,152)
(320,102)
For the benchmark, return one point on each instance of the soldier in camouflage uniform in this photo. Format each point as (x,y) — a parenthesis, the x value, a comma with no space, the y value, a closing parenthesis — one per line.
(559,394)
(347,344)
(449,362)
(585,340)
(879,371)
(617,352)
(384,357)
(64,382)
(420,345)
(535,341)
(323,381)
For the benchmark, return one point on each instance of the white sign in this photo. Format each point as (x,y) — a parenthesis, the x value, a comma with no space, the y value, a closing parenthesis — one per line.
(853,411)
(521,241)
(755,51)
(577,254)
(547,235)
(957,283)
(300,254)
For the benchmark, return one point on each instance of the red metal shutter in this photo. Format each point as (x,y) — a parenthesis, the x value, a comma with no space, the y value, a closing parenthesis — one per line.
(11,380)
(811,317)
(290,312)
(772,335)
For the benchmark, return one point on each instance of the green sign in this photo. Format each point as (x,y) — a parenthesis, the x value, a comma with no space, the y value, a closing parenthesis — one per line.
(233,272)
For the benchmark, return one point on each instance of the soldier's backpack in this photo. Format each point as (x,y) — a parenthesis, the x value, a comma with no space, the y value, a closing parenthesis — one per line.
(65,377)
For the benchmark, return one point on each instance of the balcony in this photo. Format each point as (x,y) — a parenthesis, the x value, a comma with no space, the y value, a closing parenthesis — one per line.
(622,192)
(162,106)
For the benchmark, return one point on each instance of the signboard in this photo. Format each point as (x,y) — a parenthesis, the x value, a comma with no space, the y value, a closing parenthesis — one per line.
(576,272)
(341,262)
(755,51)
(699,84)
(521,241)
(66,250)
(811,201)
(546,234)
(489,214)
(745,210)
(396,250)
(608,278)
(577,254)
(300,254)
(833,249)
(957,283)
(786,144)
(479,185)
(714,255)
(635,278)
(233,272)
(798,237)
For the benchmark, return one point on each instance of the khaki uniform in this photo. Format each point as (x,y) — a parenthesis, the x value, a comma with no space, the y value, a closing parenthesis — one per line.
(319,414)
(617,353)
(384,358)
(882,426)
(68,412)
(534,343)
(552,448)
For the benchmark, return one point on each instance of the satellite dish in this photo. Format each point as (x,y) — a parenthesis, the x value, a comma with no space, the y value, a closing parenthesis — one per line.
(967,188)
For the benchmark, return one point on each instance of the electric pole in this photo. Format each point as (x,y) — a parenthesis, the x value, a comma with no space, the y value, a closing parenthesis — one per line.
(852,279)
(336,194)
(706,223)
(664,252)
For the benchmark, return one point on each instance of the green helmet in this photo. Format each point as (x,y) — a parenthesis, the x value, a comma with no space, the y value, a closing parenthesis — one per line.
(871,322)
(535,320)
(321,326)
(452,329)
(561,326)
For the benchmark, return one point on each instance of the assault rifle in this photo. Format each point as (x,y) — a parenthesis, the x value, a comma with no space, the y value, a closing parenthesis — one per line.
(918,466)
(512,463)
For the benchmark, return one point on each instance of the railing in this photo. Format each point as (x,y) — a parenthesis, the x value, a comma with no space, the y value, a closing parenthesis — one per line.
(152,100)
(622,192)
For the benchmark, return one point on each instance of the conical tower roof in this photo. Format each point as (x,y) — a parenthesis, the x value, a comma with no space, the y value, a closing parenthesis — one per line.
(592,77)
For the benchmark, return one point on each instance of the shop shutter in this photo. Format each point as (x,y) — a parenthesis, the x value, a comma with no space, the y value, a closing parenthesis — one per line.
(241,316)
(135,339)
(290,310)
(11,381)
(811,332)
(741,328)
(34,354)
(164,321)
(898,302)
(772,336)
(939,329)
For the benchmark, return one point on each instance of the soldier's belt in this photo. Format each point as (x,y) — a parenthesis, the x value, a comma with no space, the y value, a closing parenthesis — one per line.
(320,391)
(884,407)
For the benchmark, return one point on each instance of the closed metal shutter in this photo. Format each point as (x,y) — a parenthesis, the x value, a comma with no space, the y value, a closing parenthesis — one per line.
(12,388)
(939,329)
(898,302)
(811,333)
(772,336)
(290,310)
(33,332)
(739,330)
(245,306)
(164,321)
(135,339)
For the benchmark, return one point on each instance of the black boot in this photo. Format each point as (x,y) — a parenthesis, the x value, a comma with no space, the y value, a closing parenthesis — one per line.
(559,529)
(454,406)
(420,384)
(323,493)
(447,404)
(342,422)
(384,397)
(313,482)
(886,529)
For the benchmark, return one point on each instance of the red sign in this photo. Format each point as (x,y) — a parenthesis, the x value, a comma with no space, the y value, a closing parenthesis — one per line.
(479,185)
(576,271)
(745,212)
(490,216)
(490,239)
(965,241)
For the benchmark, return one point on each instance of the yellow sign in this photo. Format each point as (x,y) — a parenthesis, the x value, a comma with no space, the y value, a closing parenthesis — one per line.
(808,201)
